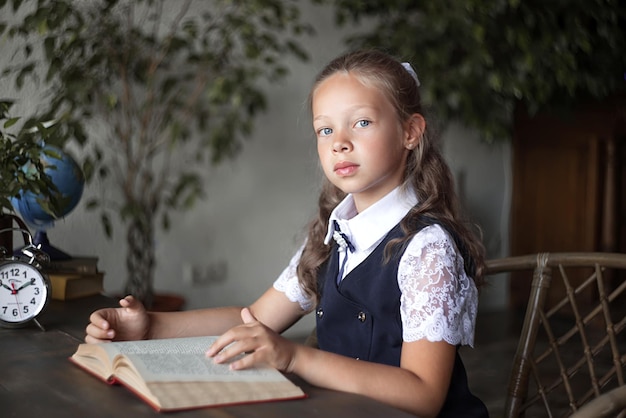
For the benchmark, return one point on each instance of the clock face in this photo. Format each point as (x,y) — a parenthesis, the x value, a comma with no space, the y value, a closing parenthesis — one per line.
(23,292)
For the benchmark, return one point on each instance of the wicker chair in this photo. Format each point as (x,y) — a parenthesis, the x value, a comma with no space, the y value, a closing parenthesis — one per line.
(609,404)
(569,353)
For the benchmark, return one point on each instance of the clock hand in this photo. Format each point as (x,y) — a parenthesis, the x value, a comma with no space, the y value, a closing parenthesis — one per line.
(5,286)
(28,283)
(17,300)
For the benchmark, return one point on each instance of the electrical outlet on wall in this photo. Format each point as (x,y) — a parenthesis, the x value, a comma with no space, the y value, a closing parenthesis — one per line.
(187,273)
(204,275)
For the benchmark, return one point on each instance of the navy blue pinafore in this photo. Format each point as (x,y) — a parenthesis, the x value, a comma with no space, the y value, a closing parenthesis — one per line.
(360,318)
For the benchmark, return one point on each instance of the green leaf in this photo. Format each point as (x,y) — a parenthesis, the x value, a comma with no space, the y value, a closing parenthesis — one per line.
(147,88)
(165,221)
(92,204)
(10,122)
(480,58)
(106,224)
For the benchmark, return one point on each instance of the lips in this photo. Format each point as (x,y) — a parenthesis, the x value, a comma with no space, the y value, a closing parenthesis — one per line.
(345,168)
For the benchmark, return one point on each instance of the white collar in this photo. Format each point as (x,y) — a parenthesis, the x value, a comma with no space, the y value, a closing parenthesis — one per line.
(368,227)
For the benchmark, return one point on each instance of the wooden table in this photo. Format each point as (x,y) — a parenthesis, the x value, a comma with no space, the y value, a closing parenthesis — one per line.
(38,380)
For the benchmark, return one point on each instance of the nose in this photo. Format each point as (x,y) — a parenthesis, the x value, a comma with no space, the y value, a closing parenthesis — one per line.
(341,142)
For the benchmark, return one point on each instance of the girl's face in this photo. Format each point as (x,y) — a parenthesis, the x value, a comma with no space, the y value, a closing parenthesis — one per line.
(361,144)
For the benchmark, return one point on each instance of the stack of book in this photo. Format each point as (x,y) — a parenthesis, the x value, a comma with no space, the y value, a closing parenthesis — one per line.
(75,278)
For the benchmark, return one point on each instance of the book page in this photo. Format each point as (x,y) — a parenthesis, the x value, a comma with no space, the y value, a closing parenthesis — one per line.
(98,358)
(183,360)
(172,395)
(189,345)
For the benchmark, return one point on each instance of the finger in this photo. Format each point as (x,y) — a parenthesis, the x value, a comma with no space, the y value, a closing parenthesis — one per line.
(245,362)
(247,317)
(236,352)
(227,354)
(219,344)
(130,303)
(91,340)
(99,333)
(126,302)
(98,320)
(231,345)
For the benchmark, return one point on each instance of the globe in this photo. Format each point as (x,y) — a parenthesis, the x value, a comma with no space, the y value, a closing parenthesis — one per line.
(69,180)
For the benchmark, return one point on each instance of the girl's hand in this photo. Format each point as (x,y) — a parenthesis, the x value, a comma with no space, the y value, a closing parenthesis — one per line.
(262,345)
(129,322)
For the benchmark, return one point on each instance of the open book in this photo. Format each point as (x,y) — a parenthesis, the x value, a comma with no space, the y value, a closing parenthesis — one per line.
(173,374)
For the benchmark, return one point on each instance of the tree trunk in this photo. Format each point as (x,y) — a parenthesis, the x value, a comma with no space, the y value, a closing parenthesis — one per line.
(140,258)
(6,238)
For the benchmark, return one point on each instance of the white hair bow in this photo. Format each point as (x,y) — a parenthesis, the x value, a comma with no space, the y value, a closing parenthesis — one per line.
(411,71)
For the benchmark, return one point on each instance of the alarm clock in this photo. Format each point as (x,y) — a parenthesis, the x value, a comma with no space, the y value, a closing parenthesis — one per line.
(24,286)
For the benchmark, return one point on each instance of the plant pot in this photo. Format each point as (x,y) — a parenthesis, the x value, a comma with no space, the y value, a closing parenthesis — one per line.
(167,302)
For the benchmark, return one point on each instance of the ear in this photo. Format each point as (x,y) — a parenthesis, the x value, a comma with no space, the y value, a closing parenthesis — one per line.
(414,128)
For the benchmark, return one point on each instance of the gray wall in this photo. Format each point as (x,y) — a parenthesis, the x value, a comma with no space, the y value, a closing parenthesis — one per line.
(237,241)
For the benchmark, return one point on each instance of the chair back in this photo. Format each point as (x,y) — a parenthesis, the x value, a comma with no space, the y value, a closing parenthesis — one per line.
(572,348)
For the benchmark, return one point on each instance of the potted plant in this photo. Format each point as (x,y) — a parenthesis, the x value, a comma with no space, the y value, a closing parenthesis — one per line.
(21,170)
(156,90)
(481,60)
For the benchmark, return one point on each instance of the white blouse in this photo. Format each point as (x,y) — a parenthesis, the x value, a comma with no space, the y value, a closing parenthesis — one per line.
(438,301)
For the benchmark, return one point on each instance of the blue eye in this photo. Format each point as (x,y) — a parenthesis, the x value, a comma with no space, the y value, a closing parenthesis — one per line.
(325,132)
(363,123)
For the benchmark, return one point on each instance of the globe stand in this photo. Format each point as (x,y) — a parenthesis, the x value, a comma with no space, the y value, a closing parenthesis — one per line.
(41,240)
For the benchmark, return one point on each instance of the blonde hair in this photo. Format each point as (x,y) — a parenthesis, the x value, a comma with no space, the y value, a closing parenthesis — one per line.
(426,172)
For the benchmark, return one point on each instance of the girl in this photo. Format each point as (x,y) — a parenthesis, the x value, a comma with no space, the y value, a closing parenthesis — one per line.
(388,266)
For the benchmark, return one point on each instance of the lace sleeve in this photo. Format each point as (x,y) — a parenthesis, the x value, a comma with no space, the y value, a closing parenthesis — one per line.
(288,283)
(438,302)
